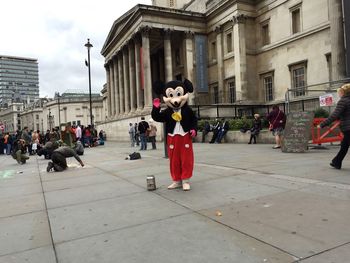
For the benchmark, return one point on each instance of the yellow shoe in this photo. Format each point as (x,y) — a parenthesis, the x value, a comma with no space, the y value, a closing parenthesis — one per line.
(186,187)
(175,185)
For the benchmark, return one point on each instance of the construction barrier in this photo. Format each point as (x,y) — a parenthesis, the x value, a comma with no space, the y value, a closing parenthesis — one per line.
(327,134)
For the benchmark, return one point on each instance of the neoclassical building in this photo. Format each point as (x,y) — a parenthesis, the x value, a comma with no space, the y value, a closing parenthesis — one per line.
(234,51)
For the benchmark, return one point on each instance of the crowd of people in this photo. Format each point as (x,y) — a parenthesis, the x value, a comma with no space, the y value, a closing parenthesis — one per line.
(24,143)
(143,132)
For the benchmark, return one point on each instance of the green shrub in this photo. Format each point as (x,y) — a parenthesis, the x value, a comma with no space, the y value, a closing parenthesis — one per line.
(321,113)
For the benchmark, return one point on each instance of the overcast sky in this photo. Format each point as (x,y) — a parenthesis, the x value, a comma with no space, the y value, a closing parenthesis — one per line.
(54,32)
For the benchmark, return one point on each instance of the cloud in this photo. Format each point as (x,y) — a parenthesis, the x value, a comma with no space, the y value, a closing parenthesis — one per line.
(54,32)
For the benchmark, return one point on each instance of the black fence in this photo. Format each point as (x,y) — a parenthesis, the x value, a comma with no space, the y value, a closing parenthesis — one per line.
(308,102)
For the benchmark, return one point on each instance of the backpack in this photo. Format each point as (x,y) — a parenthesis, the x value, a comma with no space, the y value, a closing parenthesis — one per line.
(135,156)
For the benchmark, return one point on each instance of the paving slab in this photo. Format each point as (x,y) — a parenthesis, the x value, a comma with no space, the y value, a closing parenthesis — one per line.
(275,207)
(302,224)
(98,217)
(20,190)
(74,182)
(36,255)
(280,181)
(340,254)
(23,232)
(16,205)
(88,193)
(185,238)
(218,192)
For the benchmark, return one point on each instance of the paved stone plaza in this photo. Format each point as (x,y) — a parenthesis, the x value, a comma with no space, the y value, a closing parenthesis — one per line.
(248,203)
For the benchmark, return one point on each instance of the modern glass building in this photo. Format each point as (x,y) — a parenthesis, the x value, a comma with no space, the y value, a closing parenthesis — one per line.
(19,80)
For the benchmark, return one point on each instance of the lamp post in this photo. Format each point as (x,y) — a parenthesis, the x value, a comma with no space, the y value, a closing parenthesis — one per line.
(59,108)
(50,119)
(88,46)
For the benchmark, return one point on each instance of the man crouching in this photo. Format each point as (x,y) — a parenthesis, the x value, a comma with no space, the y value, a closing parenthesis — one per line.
(59,156)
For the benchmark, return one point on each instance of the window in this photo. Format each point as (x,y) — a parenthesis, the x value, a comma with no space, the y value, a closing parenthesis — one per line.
(229,43)
(215,95)
(265,33)
(268,87)
(177,57)
(232,90)
(329,66)
(296,20)
(171,3)
(213,50)
(37,116)
(298,76)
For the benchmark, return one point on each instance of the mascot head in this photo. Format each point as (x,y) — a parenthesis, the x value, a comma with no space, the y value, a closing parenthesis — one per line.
(175,93)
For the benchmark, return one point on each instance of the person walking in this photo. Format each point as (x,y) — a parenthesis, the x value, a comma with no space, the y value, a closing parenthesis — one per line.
(137,134)
(152,134)
(143,127)
(132,134)
(256,128)
(277,120)
(341,112)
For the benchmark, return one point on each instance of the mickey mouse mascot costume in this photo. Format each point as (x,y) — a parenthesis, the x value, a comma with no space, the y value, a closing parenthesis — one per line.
(181,126)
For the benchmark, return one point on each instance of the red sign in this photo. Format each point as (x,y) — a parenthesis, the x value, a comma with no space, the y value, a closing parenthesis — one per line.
(326,100)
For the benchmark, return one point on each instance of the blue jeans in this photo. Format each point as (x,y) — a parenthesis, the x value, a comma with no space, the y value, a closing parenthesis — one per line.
(8,149)
(143,139)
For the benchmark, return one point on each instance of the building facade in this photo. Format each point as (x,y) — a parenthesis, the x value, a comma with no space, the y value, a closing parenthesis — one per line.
(70,107)
(10,117)
(19,80)
(234,51)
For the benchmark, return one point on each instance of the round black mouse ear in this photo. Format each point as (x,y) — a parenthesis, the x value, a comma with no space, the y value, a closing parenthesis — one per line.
(158,87)
(188,85)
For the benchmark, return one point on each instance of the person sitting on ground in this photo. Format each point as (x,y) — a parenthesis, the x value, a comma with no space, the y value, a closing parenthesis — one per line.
(19,151)
(255,130)
(223,130)
(58,157)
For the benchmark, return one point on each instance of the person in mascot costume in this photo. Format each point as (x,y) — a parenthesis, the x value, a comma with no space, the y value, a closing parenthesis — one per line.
(181,127)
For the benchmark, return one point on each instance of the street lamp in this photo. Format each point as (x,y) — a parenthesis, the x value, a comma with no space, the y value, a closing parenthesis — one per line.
(50,119)
(88,46)
(59,108)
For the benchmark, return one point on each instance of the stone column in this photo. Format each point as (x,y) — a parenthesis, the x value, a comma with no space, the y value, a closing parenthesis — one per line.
(220,64)
(108,76)
(121,83)
(189,61)
(146,59)
(116,87)
(132,76)
(337,39)
(126,80)
(139,93)
(240,56)
(112,81)
(168,61)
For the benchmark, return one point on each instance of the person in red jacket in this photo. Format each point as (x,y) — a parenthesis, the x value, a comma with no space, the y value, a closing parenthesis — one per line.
(277,120)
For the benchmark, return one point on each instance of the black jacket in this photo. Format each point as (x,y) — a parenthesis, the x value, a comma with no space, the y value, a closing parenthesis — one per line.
(188,122)
(342,113)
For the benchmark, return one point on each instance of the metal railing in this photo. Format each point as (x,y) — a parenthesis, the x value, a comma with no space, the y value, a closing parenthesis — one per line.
(307,102)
